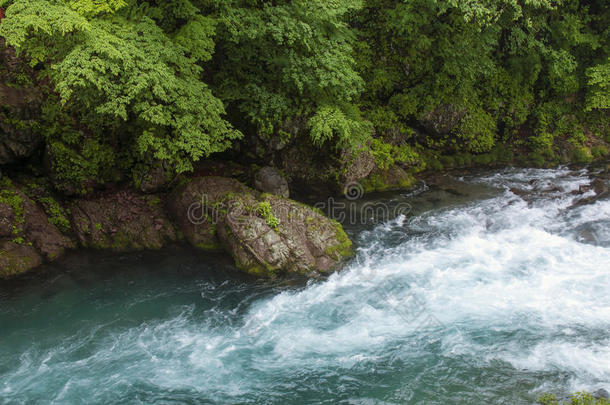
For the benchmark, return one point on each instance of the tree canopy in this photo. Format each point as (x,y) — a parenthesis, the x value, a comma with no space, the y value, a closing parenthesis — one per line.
(134,81)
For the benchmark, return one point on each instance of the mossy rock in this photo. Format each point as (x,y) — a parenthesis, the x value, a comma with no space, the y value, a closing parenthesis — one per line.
(26,233)
(122,221)
(17,258)
(393,178)
(196,204)
(269,236)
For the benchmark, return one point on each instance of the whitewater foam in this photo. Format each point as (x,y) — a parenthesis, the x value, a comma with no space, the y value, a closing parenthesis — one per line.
(499,284)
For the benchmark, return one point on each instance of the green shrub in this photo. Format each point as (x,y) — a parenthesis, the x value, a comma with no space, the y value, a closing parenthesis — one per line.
(265,211)
(387,155)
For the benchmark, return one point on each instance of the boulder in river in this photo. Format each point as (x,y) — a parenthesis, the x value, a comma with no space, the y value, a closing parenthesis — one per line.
(192,207)
(267,235)
(270,235)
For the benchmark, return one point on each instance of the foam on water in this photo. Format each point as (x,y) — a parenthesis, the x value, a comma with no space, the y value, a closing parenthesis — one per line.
(495,300)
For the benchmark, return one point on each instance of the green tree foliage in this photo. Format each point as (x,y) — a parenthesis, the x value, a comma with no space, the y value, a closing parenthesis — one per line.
(598,79)
(282,62)
(122,70)
(131,82)
(467,74)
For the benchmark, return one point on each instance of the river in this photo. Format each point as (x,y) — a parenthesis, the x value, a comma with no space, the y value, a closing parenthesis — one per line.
(491,290)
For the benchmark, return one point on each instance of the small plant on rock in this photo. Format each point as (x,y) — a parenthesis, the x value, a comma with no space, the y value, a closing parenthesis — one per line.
(264,210)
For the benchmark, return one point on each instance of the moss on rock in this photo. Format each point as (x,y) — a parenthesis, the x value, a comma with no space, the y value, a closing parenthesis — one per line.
(393,178)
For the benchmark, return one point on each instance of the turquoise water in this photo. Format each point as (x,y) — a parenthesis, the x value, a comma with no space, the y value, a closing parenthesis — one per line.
(477,296)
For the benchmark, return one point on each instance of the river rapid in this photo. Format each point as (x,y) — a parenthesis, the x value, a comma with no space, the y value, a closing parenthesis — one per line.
(492,288)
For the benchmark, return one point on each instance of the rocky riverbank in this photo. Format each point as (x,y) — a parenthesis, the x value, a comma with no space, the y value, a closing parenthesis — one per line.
(266,234)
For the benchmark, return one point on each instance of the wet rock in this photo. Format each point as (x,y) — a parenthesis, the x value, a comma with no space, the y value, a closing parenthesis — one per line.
(601,393)
(270,180)
(600,186)
(582,189)
(193,207)
(122,221)
(524,194)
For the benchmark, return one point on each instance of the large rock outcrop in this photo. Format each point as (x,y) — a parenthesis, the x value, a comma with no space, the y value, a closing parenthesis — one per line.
(267,235)
(194,208)
(27,237)
(122,221)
